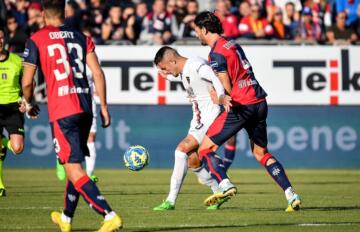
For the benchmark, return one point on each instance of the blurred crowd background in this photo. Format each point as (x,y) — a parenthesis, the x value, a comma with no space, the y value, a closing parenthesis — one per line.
(126,22)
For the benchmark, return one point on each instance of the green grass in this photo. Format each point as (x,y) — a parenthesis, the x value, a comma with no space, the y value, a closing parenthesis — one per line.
(331,202)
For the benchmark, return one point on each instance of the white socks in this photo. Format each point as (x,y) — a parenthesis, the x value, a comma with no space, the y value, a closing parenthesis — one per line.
(65,218)
(225,185)
(110,216)
(289,193)
(90,160)
(205,178)
(178,175)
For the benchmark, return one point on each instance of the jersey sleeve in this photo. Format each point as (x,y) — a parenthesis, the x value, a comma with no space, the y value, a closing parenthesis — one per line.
(206,73)
(218,62)
(31,53)
(90,46)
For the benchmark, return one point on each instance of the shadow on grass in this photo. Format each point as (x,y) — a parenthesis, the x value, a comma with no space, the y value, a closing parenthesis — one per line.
(205,227)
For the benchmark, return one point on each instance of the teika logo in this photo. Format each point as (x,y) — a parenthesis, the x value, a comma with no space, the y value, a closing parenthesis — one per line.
(143,81)
(318,81)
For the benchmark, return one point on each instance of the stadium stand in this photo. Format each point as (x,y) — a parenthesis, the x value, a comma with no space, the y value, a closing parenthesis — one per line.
(111,22)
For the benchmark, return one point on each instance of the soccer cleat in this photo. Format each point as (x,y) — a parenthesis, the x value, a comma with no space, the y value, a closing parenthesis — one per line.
(293,204)
(2,192)
(112,225)
(164,206)
(56,219)
(217,197)
(217,206)
(60,171)
(94,178)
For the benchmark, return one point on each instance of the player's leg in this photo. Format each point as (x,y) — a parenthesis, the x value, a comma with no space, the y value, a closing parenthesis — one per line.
(187,145)
(213,163)
(226,125)
(13,122)
(277,172)
(258,141)
(91,159)
(203,175)
(229,154)
(2,158)
(205,178)
(71,134)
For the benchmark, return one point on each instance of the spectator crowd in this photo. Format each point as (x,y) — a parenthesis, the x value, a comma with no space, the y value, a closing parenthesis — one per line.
(163,22)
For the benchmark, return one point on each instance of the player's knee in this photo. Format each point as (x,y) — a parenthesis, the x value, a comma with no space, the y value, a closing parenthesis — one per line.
(183,148)
(17,148)
(193,161)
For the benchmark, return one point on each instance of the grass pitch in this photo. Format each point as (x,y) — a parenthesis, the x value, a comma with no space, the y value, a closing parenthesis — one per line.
(331,202)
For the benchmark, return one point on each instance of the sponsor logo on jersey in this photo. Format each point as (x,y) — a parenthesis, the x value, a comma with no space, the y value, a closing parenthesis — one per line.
(3,76)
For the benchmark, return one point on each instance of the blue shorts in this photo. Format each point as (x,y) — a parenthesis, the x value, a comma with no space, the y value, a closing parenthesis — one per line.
(251,117)
(70,136)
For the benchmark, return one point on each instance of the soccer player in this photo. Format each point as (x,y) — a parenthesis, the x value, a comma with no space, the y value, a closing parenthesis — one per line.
(249,111)
(197,78)
(91,159)
(10,116)
(62,54)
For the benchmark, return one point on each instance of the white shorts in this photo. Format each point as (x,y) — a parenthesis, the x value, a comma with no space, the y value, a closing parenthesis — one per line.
(93,124)
(198,130)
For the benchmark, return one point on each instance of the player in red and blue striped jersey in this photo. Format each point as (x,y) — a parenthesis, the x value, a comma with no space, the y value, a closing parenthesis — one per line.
(62,53)
(248,111)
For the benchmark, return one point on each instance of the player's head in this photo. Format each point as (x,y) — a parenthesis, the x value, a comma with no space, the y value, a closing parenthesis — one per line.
(166,60)
(54,9)
(206,24)
(2,39)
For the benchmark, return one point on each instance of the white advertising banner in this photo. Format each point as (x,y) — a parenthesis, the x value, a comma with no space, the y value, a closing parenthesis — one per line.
(291,75)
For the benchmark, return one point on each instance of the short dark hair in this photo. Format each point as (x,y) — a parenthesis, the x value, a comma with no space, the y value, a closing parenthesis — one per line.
(209,21)
(56,7)
(161,52)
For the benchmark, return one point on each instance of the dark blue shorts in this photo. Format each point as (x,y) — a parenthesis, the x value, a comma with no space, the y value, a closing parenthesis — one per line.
(70,136)
(251,117)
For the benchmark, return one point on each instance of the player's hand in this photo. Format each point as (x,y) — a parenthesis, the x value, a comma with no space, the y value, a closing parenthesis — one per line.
(31,109)
(105,117)
(33,112)
(225,101)
(22,106)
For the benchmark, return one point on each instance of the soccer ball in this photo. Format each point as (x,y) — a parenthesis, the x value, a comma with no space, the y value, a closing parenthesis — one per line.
(136,157)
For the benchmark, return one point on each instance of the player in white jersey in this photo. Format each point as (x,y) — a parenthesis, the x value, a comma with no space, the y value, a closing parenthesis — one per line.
(91,159)
(198,79)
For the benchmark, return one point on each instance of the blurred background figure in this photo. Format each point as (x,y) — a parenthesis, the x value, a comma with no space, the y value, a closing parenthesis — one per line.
(228,20)
(72,14)
(35,20)
(281,31)
(18,10)
(339,33)
(156,28)
(356,24)
(309,31)
(294,13)
(244,9)
(177,16)
(349,7)
(17,35)
(255,27)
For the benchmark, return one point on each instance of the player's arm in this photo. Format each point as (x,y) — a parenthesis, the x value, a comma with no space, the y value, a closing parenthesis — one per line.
(219,64)
(27,82)
(219,97)
(100,86)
